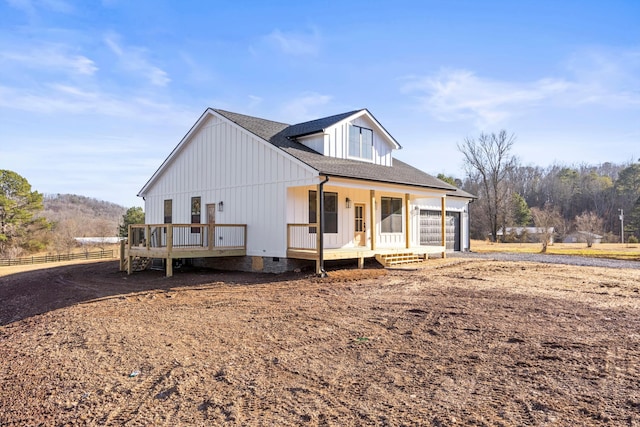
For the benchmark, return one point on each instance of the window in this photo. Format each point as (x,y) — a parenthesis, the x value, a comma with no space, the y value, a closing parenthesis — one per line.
(391,208)
(330,211)
(168,216)
(195,213)
(360,142)
(168,209)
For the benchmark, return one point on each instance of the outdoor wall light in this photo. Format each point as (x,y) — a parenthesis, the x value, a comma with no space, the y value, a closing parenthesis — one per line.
(220,206)
(348,203)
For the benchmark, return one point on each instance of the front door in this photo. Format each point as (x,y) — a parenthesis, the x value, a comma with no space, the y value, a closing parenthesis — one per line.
(360,237)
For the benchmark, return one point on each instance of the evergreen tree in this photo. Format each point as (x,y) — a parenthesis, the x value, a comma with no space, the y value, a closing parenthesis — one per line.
(521,211)
(134,215)
(20,229)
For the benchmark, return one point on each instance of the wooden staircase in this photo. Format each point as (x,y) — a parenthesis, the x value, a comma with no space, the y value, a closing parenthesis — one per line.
(400,258)
(138,263)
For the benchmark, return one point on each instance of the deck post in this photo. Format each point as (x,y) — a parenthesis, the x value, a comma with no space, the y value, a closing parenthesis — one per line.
(361,262)
(129,257)
(122,251)
(169,262)
(372,219)
(210,234)
(443,225)
(407,219)
(169,267)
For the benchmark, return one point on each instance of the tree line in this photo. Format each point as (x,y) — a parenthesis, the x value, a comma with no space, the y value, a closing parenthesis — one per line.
(32,222)
(591,199)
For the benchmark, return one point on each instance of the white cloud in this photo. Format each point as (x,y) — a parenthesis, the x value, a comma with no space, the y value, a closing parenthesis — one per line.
(50,57)
(296,44)
(62,99)
(254,101)
(461,95)
(307,106)
(134,59)
(593,78)
(30,6)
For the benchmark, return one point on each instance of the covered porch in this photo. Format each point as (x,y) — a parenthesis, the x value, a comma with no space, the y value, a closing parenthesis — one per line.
(361,223)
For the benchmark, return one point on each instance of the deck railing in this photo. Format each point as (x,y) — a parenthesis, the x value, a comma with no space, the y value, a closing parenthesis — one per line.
(302,236)
(192,236)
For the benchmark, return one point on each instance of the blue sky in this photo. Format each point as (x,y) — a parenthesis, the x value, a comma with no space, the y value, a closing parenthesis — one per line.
(95,94)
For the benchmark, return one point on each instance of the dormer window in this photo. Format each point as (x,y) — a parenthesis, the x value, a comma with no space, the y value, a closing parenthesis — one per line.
(360,142)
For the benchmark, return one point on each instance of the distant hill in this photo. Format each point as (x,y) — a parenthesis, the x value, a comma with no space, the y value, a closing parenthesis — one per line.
(83,216)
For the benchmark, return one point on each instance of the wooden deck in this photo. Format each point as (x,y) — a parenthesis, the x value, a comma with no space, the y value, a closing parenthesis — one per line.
(175,241)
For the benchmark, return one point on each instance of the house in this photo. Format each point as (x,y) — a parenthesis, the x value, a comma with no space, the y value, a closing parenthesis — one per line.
(582,237)
(246,193)
(528,234)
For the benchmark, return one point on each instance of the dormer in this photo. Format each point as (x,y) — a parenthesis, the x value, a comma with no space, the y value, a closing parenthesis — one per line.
(355,135)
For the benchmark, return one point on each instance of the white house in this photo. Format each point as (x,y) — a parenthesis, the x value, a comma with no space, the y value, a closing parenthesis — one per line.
(245,193)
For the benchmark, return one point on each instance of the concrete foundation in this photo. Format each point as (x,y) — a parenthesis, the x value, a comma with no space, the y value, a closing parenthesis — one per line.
(256,264)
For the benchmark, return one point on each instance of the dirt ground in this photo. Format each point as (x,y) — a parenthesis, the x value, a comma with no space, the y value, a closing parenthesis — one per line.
(457,342)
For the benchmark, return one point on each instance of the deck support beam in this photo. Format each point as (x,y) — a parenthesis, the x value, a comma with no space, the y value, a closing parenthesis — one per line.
(169,267)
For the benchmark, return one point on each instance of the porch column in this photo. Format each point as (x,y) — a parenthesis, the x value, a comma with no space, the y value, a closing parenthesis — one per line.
(443,225)
(372,219)
(319,240)
(407,221)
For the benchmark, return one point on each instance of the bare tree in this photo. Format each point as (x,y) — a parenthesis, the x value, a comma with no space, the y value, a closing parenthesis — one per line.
(488,161)
(546,220)
(64,233)
(588,224)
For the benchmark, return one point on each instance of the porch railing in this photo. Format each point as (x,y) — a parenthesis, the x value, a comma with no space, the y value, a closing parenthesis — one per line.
(302,236)
(192,236)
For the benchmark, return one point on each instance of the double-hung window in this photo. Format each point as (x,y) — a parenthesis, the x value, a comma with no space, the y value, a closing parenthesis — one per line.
(330,211)
(391,209)
(360,142)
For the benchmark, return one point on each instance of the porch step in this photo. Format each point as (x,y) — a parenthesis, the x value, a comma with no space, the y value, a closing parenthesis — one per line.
(140,263)
(390,260)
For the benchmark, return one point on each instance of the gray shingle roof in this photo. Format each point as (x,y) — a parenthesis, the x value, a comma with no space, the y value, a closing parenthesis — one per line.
(283,136)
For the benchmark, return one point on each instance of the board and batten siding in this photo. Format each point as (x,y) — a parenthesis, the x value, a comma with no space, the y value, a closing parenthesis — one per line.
(222,162)
(335,142)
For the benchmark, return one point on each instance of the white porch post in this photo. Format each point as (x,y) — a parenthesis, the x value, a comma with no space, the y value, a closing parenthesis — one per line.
(443,225)
(319,240)
(372,219)
(407,220)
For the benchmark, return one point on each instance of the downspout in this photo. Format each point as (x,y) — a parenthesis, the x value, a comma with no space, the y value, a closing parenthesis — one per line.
(468,225)
(323,273)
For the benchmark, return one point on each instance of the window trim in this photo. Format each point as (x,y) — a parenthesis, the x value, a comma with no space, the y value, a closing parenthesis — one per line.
(167,219)
(391,214)
(313,214)
(359,157)
(196,213)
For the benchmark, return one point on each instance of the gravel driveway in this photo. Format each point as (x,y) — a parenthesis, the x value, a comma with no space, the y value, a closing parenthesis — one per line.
(549,259)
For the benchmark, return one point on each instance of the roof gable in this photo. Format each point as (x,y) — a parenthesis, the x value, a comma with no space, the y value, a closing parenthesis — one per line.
(282,136)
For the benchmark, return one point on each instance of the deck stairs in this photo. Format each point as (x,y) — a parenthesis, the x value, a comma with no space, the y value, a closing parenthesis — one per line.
(400,258)
(137,264)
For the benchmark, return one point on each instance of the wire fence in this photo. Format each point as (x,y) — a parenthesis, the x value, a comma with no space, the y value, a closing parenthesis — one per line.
(56,258)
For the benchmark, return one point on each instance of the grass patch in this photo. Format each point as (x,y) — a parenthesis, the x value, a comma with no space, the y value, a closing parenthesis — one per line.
(629,252)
